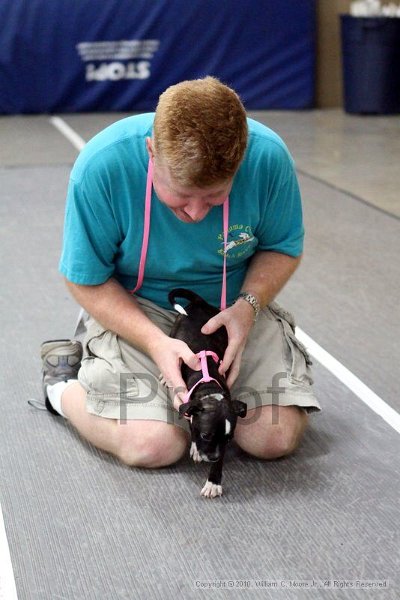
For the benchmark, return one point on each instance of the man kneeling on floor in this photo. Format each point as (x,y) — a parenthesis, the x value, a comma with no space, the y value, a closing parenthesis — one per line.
(184,166)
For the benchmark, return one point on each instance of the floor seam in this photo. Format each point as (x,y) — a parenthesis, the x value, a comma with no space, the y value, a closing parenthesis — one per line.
(347,193)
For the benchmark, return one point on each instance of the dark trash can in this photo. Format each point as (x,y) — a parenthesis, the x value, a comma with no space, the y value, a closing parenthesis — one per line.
(371,64)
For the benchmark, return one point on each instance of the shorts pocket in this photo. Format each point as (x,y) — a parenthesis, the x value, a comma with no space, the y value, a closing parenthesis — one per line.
(295,356)
(103,370)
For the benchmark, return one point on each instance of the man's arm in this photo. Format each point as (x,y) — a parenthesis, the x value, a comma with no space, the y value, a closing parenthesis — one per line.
(267,274)
(112,306)
(117,310)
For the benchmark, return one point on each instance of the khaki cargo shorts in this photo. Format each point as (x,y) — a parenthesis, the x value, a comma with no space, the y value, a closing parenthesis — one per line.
(122,382)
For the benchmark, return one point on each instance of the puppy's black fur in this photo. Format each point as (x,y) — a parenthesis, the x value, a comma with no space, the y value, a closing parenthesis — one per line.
(212,412)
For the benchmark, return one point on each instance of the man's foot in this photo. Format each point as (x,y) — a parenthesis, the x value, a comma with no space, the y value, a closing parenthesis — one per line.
(61,362)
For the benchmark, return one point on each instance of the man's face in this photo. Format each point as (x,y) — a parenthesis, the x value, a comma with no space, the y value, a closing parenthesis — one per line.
(189,204)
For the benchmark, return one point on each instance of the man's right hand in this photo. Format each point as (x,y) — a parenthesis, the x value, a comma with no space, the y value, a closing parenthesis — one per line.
(168,354)
(112,306)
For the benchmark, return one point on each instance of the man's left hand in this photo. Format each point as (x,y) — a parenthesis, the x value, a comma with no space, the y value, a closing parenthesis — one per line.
(238,320)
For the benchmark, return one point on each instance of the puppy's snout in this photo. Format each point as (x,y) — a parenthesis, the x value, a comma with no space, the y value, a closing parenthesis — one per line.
(214,456)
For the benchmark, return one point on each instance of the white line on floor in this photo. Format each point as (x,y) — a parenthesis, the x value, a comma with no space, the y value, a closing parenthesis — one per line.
(68,132)
(355,384)
(8,590)
(350,380)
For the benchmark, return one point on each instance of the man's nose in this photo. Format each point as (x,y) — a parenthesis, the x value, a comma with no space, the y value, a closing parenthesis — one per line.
(197,210)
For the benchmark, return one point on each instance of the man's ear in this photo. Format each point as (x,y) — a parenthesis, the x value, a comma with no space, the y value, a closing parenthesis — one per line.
(240,408)
(188,409)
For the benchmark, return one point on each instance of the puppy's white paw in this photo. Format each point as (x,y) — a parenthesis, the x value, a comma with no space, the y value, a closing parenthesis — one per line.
(211,490)
(194,453)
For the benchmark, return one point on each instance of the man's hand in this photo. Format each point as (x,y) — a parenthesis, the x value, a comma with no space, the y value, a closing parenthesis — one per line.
(267,274)
(238,320)
(168,354)
(111,305)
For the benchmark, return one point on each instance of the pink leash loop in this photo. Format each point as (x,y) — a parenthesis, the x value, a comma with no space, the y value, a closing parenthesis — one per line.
(146,233)
(142,263)
(146,227)
(204,368)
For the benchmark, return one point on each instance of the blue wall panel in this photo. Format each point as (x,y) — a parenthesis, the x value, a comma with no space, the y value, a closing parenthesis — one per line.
(89,55)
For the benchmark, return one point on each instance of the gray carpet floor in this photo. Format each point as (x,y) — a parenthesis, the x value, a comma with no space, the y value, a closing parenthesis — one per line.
(82,526)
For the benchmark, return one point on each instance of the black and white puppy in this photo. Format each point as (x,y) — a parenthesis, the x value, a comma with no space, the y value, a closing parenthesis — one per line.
(211,411)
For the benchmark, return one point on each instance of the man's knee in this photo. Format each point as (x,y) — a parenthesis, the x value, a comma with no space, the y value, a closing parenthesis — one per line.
(280,441)
(268,440)
(150,444)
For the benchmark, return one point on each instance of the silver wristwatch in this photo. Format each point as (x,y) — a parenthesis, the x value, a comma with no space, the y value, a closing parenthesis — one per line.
(251,300)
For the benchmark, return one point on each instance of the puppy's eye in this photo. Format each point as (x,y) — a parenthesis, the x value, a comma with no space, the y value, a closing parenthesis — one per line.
(206,437)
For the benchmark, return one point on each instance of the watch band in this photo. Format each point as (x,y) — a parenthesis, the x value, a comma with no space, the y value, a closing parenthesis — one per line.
(251,300)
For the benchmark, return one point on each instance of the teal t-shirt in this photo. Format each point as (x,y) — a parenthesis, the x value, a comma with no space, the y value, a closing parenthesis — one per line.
(103,228)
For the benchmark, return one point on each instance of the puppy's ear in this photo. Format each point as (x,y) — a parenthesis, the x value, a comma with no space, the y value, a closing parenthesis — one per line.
(240,408)
(187,409)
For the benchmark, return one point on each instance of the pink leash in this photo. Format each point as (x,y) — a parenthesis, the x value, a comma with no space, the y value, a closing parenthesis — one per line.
(226,226)
(146,227)
(146,233)
(142,263)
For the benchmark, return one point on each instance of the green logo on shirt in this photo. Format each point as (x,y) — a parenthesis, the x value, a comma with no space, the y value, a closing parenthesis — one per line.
(239,241)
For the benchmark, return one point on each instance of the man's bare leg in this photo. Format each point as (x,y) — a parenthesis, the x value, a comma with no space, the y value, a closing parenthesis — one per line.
(140,443)
(271,431)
